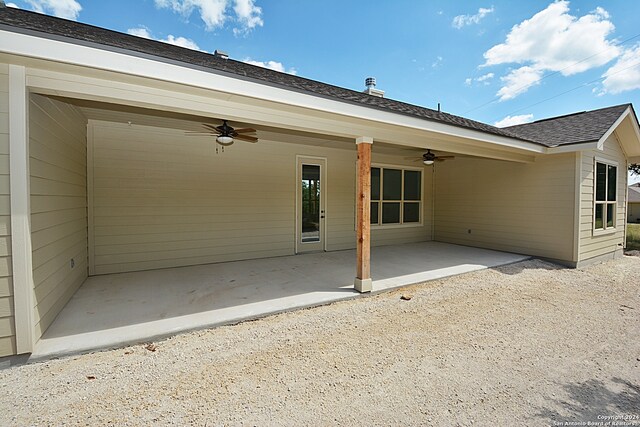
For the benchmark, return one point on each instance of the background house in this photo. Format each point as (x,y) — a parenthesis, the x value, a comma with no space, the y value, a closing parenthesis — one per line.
(633,213)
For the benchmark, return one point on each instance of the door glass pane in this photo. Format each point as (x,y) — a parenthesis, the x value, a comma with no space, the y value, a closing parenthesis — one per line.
(601,181)
(374,212)
(375,183)
(599,213)
(411,212)
(610,214)
(391,213)
(310,203)
(412,185)
(392,185)
(611,190)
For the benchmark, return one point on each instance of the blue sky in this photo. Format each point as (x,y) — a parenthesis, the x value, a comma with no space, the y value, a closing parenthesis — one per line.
(499,62)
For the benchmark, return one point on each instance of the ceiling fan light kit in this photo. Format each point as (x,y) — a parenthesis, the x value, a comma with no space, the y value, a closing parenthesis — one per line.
(227,135)
(224,140)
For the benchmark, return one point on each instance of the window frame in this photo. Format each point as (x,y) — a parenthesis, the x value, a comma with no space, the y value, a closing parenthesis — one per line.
(611,229)
(401,224)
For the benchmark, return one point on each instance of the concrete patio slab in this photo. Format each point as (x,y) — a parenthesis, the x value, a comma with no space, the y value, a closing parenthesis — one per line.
(118,309)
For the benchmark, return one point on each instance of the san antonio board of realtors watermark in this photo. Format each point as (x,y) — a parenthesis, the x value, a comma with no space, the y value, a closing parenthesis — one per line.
(619,420)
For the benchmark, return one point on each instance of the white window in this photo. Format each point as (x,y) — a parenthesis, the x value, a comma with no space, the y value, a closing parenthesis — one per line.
(606,189)
(396,196)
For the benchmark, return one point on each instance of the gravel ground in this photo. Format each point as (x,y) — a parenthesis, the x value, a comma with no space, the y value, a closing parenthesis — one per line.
(526,344)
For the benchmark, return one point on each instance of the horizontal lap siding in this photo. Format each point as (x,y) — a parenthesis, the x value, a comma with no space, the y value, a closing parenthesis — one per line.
(164,199)
(58,167)
(593,246)
(516,207)
(7,325)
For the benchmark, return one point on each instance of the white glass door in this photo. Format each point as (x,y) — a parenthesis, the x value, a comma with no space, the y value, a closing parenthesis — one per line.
(311,194)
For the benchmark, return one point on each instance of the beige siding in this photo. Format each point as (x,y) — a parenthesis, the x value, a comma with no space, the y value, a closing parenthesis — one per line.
(523,208)
(7,326)
(57,149)
(161,199)
(592,246)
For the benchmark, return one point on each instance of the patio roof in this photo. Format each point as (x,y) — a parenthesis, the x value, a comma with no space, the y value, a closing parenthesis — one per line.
(61,29)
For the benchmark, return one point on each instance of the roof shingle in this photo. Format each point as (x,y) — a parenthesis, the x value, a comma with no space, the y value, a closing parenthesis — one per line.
(571,129)
(586,126)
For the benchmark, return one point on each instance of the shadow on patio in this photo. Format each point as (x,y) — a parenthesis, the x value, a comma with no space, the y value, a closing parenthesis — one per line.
(117,309)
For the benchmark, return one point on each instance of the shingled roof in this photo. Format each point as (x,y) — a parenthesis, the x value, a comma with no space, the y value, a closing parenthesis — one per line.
(562,130)
(57,28)
(587,126)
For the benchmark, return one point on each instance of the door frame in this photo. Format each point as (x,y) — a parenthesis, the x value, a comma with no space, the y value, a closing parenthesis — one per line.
(300,160)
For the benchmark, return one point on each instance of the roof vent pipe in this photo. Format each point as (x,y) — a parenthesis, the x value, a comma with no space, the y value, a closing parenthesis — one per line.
(220,54)
(370,83)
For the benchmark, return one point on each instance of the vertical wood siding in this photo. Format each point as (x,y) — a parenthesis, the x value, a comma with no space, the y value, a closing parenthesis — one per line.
(163,199)
(523,208)
(57,133)
(593,246)
(7,326)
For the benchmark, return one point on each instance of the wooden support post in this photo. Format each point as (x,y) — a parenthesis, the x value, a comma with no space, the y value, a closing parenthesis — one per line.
(363,214)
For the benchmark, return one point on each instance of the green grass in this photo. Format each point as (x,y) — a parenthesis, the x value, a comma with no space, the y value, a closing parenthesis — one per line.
(633,237)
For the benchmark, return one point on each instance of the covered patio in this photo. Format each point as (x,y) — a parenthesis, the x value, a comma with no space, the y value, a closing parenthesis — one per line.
(119,309)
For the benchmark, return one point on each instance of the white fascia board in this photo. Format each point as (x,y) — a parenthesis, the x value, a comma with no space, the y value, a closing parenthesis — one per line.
(158,69)
(613,127)
(569,148)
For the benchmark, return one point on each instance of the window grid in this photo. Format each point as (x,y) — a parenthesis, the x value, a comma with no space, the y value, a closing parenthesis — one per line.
(605,195)
(378,204)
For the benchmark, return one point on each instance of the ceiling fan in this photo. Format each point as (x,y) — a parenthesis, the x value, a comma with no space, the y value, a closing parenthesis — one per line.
(428,158)
(226,135)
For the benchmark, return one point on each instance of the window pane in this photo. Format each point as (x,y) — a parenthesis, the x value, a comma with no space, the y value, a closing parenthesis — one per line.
(599,213)
(611,190)
(375,183)
(391,213)
(310,203)
(392,185)
(610,214)
(411,212)
(601,181)
(374,213)
(412,185)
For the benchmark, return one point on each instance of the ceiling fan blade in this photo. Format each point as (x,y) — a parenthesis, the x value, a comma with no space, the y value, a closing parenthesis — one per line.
(212,127)
(246,138)
(245,130)
(446,157)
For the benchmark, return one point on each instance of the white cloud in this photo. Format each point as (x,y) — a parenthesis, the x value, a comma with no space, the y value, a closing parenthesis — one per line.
(485,79)
(68,9)
(437,62)
(553,40)
(514,120)
(211,11)
(463,20)
(140,32)
(13,5)
(519,81)
(215,14)
(272,65)
(171,39)
(248,15)
(624,75)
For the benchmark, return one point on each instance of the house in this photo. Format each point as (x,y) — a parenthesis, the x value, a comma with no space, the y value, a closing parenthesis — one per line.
(633,208)
(100,175)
